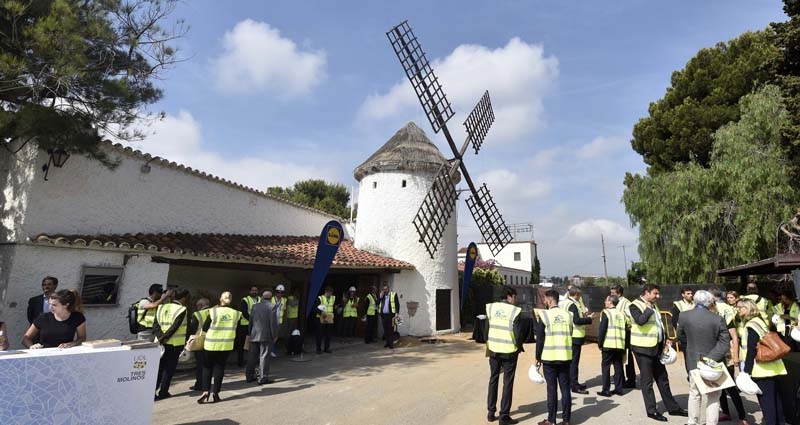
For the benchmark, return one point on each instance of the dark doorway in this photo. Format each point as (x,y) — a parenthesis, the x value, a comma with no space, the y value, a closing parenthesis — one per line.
(443,310)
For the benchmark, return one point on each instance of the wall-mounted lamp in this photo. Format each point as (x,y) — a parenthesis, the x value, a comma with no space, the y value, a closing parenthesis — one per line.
(58,157)
(146,166)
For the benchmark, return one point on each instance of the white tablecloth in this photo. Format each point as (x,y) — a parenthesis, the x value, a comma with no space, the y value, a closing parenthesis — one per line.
(78,386)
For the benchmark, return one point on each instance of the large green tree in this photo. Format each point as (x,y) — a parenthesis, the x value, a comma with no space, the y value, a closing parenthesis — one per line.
(786,68)
(702,97)
(329,197)
(698,219)
(73,71)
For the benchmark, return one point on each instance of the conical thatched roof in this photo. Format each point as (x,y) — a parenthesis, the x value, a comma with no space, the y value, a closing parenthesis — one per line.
(408,150)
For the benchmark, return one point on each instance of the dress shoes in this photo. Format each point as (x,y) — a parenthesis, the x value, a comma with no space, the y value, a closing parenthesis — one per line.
(619,392)
(605,393)
(630,384)
(249,380)
(162,396)
(507,420)
(545,422)
(491,417)
(657,416)
(265,381)
(578,390)
(583,387)
(679,412)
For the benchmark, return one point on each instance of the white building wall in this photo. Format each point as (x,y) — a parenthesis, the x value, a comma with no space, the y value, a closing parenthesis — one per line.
(84,197)
(386,210)
(505,257)
(29,264)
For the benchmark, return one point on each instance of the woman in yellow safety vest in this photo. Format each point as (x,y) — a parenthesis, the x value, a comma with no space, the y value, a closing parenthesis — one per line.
(752,328)
(220,327)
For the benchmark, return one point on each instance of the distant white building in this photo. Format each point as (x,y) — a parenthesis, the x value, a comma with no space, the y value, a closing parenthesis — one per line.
(512,272)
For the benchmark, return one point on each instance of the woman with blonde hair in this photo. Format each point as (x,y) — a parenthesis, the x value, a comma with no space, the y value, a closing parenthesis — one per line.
(63,327)
(220,328)
(752,328)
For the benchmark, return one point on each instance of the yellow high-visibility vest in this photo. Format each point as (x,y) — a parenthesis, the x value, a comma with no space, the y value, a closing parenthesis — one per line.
(644,335)
(250,301)
(292,307)
(683,305)
(351,308)
(558,334)
(578,331)
(765,369)
(146,316)
(624,306)
(167,314)
(794,311)
(372,305)
(725,311)
(222,332)
(615,333)
(764,305)
(328,303)
(390,300)
(501,337)
(201,316)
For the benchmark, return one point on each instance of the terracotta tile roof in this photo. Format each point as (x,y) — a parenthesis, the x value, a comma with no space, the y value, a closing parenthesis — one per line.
(292,251)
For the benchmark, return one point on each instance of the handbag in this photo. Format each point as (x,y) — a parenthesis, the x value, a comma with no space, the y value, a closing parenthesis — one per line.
(196,342)
(770,348)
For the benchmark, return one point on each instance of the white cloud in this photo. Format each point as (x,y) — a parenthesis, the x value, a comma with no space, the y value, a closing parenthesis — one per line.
(257,59)
(545,158)
(517,76)
(178,138)
(509,187)
(592,228)
(600,147)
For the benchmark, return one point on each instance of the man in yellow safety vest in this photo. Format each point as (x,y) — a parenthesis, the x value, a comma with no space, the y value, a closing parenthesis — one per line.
(350,312)
(242,330)
(611,341)
(554,354)
(580,318)
(371,312)
(503,346)
(389,308)
(624,307)
(324,307)
(169,327)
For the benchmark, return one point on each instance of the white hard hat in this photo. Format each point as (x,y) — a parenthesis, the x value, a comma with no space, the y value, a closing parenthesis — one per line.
(534,375)
(795,334)
(746,384)
(669,356)
(709,373)
(296,332)
(280,288)
(352,289)
(185,356)
(776,319)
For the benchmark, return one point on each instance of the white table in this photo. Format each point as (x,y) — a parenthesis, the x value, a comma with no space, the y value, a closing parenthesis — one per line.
(78,385)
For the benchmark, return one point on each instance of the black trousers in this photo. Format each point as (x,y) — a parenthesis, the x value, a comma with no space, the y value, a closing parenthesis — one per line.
(508,364)
(324,331)
(166,368)
(650,369)
(556,374)
(573,367)
(770,401)
(238,344)
(214,366)
(388,329)
(612,357)
(372,328)
(733,392)
(630,370)
(199,360)
(349,326)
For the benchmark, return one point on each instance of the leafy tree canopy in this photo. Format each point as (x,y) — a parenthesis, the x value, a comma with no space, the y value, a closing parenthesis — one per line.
(703,97)
(329,197)
(786,68)
(696,220)
(72,71)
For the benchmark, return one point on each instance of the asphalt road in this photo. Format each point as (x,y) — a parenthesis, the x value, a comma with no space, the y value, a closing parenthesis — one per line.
(418,383)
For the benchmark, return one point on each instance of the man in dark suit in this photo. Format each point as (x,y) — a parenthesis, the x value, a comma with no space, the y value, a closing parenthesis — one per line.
(706,335)
(648,338)
(263,334)
(389,308)
(40,304)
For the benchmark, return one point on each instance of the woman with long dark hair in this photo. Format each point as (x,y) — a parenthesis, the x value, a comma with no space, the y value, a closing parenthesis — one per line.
(63,327)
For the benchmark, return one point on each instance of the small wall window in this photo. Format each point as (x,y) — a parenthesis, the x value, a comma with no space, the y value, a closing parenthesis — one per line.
(517,256)
(404,183)
(374,185)
(100,285)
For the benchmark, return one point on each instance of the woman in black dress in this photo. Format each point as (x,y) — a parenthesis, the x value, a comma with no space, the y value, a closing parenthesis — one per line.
(63,327)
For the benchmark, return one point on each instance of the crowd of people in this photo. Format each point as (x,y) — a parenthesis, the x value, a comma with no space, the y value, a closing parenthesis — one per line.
(714,331)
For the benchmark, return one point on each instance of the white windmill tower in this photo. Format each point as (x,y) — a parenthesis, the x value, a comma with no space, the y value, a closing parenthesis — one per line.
(393,183)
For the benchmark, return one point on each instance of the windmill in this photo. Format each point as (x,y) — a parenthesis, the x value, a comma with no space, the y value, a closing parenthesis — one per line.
(436,208)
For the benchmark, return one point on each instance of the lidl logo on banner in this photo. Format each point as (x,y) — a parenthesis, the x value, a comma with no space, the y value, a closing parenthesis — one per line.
(139,362)
(333,237)
(473,253)
(137,372)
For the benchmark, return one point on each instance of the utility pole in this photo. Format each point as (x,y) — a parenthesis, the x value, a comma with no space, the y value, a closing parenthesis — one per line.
(624,258)
(605,268)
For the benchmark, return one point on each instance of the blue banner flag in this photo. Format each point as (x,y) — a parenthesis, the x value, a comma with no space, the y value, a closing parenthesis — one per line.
(469,264)
(329,241)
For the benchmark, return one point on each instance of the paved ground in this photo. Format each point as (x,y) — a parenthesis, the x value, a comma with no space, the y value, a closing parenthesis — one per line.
(419,383)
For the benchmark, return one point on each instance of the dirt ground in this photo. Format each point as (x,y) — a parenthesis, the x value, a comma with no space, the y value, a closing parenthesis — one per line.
(417,383)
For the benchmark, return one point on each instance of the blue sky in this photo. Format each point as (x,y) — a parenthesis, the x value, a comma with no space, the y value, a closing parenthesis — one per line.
(275,92)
